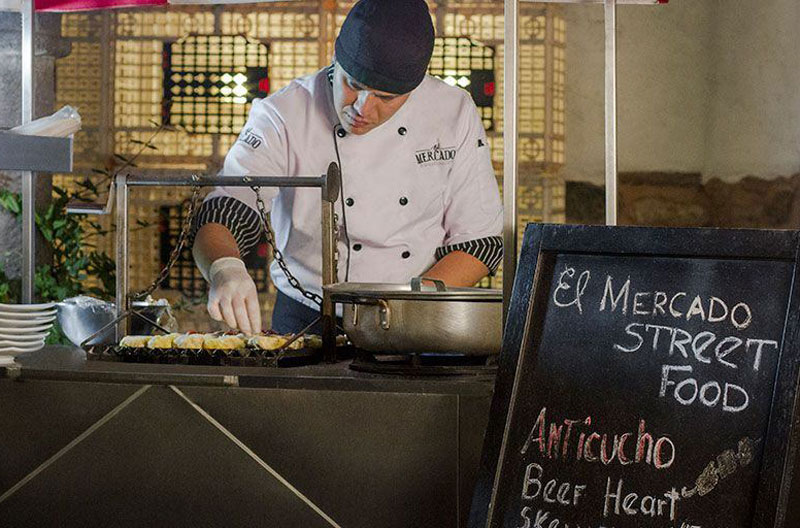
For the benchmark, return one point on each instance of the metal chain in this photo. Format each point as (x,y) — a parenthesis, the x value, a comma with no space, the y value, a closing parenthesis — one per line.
(262,211)
(176,251)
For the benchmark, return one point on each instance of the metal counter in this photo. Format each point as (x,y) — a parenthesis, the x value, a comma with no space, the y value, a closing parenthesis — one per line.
(123,444)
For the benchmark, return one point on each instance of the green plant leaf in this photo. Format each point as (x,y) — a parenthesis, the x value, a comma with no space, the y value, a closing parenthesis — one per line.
(12,202)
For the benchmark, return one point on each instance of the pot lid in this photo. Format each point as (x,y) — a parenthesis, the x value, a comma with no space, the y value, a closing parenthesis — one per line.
(359,291)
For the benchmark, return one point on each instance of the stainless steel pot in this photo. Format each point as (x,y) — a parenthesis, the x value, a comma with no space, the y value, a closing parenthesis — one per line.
(82,316)
(411,318)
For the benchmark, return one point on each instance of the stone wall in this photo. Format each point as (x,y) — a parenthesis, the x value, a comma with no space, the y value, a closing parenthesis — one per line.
(48,46)
(683,200)
(707,86)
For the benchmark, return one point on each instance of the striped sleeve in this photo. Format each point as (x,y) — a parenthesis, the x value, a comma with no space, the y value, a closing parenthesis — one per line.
(242,221)
(488,250)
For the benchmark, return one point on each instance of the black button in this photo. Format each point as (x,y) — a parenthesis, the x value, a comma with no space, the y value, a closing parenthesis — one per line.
(356,247)
(341,132)
(402,131)
(403,200)
(405,254)
(349,202)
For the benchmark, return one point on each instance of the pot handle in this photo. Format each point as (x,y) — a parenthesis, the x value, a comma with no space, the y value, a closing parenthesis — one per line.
(416,284)
(384,314)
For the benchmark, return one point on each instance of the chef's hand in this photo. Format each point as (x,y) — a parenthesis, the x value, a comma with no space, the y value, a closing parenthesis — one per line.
(233,296)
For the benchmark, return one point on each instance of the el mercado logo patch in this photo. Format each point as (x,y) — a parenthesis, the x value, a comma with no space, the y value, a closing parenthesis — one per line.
(435,155)
(251,138)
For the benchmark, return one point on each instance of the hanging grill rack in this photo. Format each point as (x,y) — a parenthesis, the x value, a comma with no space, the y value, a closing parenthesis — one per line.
(329,185)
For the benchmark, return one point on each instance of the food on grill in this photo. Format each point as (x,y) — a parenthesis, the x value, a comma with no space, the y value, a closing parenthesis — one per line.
(228,342)
(190,341)
(315,341)
(224,342)
(134,341)
(162,341)
(274,342)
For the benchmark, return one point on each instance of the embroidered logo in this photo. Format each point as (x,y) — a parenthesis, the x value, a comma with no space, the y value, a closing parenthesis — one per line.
(251,138)
(435,155)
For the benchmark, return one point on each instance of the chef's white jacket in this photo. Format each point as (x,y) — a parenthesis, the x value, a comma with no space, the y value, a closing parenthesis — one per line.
(416,187)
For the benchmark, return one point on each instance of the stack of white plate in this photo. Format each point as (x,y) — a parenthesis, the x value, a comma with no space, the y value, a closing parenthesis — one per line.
(23,328)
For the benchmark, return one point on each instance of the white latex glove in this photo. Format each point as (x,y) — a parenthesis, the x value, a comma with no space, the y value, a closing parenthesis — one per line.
(233,296)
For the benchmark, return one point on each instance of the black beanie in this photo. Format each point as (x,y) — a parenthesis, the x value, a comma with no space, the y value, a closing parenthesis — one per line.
(387,44)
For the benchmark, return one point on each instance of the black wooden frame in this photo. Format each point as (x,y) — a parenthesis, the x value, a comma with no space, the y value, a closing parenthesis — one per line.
(543,241)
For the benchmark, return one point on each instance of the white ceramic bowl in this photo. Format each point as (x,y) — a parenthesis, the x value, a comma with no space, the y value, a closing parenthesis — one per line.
(10,314)
(20,327)
(26,322)
(24,328)
(5,335)
(23,338)
(27,307)
(23,345)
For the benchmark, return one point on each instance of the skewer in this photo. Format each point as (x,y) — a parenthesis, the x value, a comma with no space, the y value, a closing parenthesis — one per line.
(297,336)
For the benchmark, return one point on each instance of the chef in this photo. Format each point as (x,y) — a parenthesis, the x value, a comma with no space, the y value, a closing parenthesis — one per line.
(419,194)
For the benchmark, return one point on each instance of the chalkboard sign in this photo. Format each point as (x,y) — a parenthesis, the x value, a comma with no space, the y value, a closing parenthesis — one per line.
(648,379)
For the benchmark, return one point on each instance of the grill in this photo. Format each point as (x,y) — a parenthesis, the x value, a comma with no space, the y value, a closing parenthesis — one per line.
(247,357)
(267,349)
(424,364)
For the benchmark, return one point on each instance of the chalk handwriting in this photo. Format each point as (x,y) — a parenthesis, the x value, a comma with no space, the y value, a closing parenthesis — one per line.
(608,293)
(734,398)
(563,286)
(703,347)
(545,519)
(551,491)
(558,440)
(620,503)
(678,305)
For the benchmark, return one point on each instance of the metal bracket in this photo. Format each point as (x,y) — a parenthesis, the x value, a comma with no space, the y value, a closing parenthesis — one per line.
(75,207)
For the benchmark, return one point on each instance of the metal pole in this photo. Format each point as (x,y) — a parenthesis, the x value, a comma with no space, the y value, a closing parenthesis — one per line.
(28,204)
(106,79)
(122,252)
(510,115)
(226,181)
(328,268)
(330,193)
(549,111)
(327,13)
(611,111)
